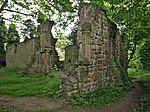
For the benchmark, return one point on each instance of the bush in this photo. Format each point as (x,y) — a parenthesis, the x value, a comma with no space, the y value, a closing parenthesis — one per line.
(145,55)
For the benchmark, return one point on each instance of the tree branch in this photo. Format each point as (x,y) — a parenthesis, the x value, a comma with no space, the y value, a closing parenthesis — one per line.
(17,12)
(12,20)
(3,5)
(53,6)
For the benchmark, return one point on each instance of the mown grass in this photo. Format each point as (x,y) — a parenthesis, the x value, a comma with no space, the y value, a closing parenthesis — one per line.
(13,82)
(144,100)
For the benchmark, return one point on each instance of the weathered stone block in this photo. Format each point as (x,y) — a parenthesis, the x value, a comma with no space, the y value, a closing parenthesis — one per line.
(83,77)
(87,36)
(69,88)
(88,52)
(100,61)
(86,26)
(73,79)
(65,81)
(80,85)
(72,92)
(75,86)
(84,62)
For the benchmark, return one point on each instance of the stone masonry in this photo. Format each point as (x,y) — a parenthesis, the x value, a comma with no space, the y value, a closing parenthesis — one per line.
(71,56)
(37,54)
(102,57)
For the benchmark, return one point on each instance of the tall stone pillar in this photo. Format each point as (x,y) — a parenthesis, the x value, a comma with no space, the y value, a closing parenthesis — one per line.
(49,55)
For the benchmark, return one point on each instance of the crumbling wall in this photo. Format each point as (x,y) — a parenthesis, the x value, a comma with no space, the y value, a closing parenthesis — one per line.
(71,56)
(20,54)
(102,53)
(37,55)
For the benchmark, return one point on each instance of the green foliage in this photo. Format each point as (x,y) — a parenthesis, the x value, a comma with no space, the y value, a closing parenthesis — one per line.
(41,17)
(6,108)
(29,30)
(43,110)
(133,72)
(9,36)
(13,35)
(144,100)
(101,97)
(14,83)
(134,15)
(61,44)
(144,52)
(3,34)
(73,35)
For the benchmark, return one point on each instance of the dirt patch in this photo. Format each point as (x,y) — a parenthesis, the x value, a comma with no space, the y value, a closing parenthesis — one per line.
(31,104)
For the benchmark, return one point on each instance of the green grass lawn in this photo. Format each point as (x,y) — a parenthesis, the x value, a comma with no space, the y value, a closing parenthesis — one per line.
(14,83)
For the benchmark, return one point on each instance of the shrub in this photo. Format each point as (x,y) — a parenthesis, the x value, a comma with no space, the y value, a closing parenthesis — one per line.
(145,55)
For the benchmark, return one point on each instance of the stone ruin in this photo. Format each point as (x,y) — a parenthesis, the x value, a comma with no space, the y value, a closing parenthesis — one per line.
(37,54)
(71,57)
(102,53)
(98,60)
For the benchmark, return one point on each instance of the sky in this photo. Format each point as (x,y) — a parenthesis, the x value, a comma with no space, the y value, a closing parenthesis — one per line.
(7,15)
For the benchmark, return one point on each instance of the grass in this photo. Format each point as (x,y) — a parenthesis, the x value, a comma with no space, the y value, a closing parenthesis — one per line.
(134,72)
(43,110)
(144,100)
(101,97)
(6,108)
(14,83)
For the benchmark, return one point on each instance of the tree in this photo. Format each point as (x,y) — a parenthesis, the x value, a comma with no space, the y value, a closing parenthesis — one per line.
(61,44)
(73,35)
(12,35)
(39,10)
(29,30)
(133,18)
(4,3)
(3,32)
(144,53)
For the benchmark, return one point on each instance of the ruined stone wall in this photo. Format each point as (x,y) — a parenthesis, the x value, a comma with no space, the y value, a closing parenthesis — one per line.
(37,55)
(71,56)
(102,53)
(20,54)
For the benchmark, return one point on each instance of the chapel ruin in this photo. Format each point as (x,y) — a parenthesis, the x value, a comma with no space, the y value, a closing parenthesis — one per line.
(102,54)
(37,54)
(99,59)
